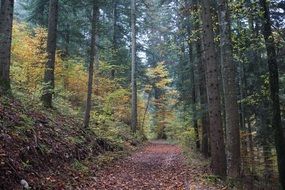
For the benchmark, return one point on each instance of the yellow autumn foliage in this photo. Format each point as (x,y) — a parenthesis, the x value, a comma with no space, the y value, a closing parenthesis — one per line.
(71,77)
(159,75)
(29,57)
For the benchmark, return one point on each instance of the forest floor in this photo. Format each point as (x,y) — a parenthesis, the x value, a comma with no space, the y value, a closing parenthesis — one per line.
(49,151)
(159,166)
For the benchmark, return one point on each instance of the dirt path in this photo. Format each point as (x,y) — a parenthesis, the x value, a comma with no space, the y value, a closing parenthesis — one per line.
(158,166)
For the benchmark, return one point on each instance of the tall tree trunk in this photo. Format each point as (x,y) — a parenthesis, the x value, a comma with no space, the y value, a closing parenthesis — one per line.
(212,84)
(97,72)
(134,113)
(203,102)
(192,60)
(93,57)
(6,22)
(193,88)
(274,91)
(51,49)
(206,147)
(194,109)
(230,92)
(115,36)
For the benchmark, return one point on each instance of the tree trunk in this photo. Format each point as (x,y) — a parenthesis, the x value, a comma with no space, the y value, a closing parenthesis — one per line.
(51,49)
(230,92)
(66,37)
(93,57)
(6,23)
(192,60)
(251,148)
(134,113)
(274,91)
(193,88)
(115,36)
(212,85)
(268,164)
(203,102)
(194,109)
(146,108)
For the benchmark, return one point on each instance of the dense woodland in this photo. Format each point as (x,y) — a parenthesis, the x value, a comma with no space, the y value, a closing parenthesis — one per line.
(82,80)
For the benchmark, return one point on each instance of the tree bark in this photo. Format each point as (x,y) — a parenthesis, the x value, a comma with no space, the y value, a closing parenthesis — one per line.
(212,85)
(274,91)
(134,113)
(51,49)
(6,23)
(203,102)
(230,92)
(93,57)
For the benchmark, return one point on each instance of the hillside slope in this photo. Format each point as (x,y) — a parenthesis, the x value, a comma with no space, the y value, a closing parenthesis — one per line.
(46,148)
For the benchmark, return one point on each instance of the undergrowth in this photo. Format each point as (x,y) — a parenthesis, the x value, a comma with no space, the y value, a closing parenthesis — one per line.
(49,148)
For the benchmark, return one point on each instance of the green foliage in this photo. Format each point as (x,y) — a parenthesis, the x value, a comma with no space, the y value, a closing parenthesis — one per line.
(76,139)
(213,178)
(80,166)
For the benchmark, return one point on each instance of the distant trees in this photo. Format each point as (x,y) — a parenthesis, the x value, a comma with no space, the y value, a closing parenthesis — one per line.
(6,21)
(48,89)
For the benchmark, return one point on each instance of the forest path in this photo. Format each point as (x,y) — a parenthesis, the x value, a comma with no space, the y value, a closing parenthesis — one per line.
(157,166)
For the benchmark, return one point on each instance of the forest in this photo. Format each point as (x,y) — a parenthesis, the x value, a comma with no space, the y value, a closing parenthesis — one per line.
(142,94)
